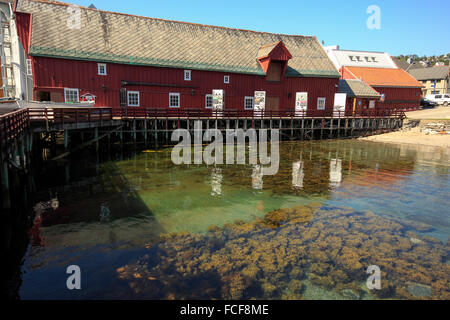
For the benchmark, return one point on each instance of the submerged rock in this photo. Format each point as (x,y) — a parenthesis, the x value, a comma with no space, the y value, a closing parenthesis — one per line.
(419,290)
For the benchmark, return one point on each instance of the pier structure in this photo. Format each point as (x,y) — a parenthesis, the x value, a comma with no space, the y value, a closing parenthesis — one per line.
(72,129)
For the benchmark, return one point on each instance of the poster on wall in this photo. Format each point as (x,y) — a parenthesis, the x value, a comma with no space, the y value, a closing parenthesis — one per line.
(260,101)
(218,101)
(301,103)
(339,104)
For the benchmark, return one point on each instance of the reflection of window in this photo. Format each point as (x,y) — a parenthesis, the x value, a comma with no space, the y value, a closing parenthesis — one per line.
(209,101)
(102,69)
(321,103)
(187,75)
(249,103)
(174,100)
(133,98)
(226,79)
(71,95)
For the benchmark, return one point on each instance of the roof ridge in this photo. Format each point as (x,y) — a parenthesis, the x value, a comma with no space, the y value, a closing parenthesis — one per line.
(167,20)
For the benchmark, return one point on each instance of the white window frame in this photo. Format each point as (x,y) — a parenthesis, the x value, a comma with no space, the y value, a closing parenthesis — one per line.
(324,103)
(174,94)
(99,65)
(67,90)
(245,103)
(138,98)
(187,75)
(226,79)
(29,68)
(206,101)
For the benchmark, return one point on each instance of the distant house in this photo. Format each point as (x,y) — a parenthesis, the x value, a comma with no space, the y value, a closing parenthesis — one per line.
(128,61)
(397,88)
(434,79)
(405,65)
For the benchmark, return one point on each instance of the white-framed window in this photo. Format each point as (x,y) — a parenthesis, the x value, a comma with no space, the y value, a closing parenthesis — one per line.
(249,103)
(71,95)
(371,104)
(174,100)
(133,98)
(187,75)
(208,101)
(102,69)
(226,79)
(321,103)
(29,68)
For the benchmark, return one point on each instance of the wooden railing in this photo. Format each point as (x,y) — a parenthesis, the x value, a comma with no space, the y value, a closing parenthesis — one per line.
(152,113)
(12,124)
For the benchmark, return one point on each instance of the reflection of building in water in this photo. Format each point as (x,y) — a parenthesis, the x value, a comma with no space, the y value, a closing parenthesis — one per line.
(335,172)
(216,182)
(298,174)
(257,178)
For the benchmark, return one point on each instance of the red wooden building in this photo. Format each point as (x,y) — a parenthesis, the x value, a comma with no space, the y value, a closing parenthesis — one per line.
(397,88)
(121,60)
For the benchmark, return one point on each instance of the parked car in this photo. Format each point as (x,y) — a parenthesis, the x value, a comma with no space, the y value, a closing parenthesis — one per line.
(443,98)
(425,103)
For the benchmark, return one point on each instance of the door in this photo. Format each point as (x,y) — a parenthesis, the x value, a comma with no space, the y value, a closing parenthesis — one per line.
(273,104)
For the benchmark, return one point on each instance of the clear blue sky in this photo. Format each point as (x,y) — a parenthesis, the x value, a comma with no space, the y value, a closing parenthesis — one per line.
(407,26)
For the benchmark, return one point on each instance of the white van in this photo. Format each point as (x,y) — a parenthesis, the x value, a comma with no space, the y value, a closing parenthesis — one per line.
(442,98)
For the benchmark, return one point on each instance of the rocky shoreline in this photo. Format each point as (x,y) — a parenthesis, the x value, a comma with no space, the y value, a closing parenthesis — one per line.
(434,133)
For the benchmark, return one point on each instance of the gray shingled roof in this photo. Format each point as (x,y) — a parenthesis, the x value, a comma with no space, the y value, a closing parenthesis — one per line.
(430,73)
(121,38)
(355,88)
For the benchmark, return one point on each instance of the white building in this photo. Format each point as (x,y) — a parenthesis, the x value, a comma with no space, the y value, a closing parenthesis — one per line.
(16,75)
(354,58)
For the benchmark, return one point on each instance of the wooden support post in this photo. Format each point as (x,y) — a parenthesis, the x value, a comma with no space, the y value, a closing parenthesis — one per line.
(5,186)
(145,131)
(96,139)
(156,132)
(66,140)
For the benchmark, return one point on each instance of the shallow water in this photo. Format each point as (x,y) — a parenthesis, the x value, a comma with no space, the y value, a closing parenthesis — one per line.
(140,227)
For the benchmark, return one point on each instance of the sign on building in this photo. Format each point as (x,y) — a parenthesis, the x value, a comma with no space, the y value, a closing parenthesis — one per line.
(218,100)
(260,101)
(339,104)
(301,103)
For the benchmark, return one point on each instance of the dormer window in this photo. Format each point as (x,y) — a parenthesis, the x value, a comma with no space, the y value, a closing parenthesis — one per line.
(273,59)
(187,75)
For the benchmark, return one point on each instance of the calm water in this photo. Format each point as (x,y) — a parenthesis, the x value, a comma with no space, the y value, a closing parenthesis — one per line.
(140,227)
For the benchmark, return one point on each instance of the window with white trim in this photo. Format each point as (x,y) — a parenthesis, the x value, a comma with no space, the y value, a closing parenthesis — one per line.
(321,103)
(249,103)
(208,101)
(71,95)
(226,79)
(133,98)
(174,100)
(102,69)
(187,75)
(29,68)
